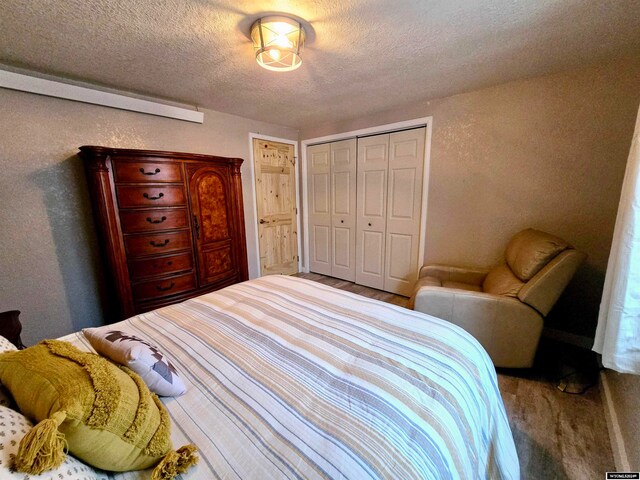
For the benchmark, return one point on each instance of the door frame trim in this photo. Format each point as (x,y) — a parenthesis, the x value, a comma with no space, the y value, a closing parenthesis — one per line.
(254,204)
(377,130)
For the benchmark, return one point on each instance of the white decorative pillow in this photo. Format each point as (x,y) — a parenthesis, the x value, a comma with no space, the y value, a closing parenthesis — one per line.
(5,396)
(140,356)
(6,345)
(14,426)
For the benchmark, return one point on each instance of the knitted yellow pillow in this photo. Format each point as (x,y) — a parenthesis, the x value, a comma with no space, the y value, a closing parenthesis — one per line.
(104,413)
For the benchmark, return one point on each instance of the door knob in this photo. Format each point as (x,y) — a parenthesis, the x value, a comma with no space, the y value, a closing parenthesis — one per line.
(341,221)
(369,223)
(262,220)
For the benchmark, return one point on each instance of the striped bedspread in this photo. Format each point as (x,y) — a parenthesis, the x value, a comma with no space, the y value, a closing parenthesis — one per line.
(290,379)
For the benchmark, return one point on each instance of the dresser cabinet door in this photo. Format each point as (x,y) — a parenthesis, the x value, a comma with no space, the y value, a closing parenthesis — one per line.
(209,193)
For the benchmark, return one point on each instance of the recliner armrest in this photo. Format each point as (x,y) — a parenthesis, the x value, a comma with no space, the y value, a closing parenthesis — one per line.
(508,329)
(472,276)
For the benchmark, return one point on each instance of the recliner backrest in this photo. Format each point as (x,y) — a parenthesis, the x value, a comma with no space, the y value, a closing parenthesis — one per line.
(530,250)
(545,263)
(546,286)
(538,268)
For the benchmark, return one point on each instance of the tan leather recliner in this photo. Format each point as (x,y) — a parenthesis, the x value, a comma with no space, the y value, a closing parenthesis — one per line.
(504,307)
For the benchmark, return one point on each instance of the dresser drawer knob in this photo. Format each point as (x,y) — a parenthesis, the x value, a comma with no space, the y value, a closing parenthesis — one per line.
(154,244)
(157,171)
(164,289)
(146,195)
(156,221)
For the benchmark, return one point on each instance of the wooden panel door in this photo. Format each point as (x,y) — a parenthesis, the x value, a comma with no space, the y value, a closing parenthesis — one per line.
(209,192)
(404,202)
(373,163)
(343,209)
(319,192)
(276,207)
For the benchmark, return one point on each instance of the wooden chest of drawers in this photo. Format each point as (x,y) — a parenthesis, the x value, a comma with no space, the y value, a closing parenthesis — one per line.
(171,224)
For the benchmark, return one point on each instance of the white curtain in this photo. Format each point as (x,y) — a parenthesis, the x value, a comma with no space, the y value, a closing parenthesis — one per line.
(618,332)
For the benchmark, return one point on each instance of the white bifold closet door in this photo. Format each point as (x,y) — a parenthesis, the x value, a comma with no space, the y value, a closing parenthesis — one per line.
(389,200)
(373,166)
(343,209)
(319,192)
(404,210)
(332,208)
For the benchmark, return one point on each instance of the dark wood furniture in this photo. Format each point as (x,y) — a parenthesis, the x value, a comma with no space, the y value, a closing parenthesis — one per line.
(10,327)
(171,224)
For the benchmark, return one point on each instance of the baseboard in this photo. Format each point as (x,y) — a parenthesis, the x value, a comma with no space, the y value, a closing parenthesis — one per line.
(615,435)
(567,337)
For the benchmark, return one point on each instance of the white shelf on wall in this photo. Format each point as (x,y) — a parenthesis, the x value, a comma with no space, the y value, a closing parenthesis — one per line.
(52,88)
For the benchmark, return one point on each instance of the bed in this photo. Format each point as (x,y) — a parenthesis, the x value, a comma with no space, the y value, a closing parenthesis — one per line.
(290,379)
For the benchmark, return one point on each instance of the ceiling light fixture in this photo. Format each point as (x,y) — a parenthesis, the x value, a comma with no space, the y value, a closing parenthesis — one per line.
(277,41)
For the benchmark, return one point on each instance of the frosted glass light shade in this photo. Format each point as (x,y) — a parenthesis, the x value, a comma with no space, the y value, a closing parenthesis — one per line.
(277,41)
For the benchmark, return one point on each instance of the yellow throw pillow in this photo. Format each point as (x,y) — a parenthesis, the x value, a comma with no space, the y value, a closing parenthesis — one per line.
(104,413)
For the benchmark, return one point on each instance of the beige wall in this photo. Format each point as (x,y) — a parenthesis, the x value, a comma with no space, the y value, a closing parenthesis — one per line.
(49,261)
(547,152)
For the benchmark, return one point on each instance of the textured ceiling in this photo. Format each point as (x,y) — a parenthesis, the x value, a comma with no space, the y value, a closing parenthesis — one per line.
(363,56)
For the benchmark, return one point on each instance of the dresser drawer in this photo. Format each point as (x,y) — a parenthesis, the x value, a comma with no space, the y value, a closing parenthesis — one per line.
(152,196)
(147,172)
(157,243)
(149,267)
(150,220)
(163,287)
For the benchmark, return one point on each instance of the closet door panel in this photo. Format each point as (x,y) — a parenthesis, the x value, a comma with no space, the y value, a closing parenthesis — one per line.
(372,253)
(342,251)
(343,209)
(320,188)
(321,251)
(374,184)
(373,164)
(404,204)
(402,190)
(319,191)
(400,248)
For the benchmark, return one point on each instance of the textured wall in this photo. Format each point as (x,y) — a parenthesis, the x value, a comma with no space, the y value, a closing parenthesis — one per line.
(547,152)
(49,260)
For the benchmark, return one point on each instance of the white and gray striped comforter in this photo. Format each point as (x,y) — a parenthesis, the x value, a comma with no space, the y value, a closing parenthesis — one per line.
(291,379)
